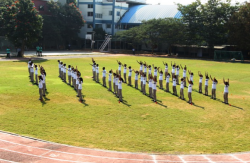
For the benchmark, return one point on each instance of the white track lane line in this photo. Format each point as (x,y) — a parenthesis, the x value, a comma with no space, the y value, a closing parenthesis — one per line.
(238,158)
(209,160)
(182,159)
(7,161)
(154,158)
(49,150)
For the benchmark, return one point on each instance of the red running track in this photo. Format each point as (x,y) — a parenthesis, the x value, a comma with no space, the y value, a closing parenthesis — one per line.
(15,148)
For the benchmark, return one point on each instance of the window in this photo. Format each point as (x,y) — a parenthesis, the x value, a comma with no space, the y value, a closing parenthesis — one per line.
(90,13)
(118,13)
(41,8)
(110,13)
(108,25)
(90,5)
(98,15)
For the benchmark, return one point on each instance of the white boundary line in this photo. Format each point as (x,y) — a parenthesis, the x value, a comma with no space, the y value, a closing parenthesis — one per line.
(154,158)
(182,159)
(7,161)
(238,158)
(209,160)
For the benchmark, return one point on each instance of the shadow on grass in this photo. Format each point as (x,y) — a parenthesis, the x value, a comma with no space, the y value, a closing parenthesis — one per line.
(124,102)
(36,60)
(159,102)
(84,101)
(237,107)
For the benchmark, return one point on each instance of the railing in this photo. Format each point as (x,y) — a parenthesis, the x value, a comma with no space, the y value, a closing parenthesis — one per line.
(105,43)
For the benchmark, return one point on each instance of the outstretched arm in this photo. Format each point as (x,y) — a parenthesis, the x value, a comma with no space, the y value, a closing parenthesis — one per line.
(211,78)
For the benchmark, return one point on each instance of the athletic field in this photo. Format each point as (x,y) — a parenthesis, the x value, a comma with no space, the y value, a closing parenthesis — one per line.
(171,126)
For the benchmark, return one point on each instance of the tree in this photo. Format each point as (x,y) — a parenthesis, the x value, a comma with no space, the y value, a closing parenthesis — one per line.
(21,23)
(206,23)
(239,30)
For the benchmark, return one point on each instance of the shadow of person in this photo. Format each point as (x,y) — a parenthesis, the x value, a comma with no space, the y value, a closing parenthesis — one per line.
(124,102)
(84,102)
(159,102)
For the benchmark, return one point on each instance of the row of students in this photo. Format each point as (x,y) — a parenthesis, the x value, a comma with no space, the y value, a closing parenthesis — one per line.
(42,83)
(74,77)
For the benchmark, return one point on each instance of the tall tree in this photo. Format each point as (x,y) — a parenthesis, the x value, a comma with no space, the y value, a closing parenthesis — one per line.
(22,23)
(239,29)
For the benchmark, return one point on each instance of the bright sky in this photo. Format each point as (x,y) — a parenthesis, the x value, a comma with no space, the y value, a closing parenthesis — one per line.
(171,2)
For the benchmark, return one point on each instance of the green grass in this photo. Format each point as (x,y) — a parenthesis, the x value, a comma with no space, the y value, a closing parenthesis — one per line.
(139,125)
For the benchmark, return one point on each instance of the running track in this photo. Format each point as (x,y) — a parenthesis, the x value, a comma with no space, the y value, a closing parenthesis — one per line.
(15,148)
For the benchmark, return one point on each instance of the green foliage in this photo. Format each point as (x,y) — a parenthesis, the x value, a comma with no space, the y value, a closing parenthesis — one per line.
(99,34)
(21,22)
(239,28)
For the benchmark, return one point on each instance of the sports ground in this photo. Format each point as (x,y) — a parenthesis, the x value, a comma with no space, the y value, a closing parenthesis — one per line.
(170,126)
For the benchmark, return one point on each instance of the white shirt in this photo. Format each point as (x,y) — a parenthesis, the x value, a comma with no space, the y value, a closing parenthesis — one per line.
(145,69)
(130,72)
(182,85)
(167,79)
(200,81)
(173,69)
(80,85)
(155,72)
(184,73)
(166,68)
(125,70)
(77,80)
(44,78)
(154,85)
(110,76)
(136,76)
(36,71)
(69,71)
(214,85)
(226,88)
(29,64)
(190,88)
(94,67)
(104,73)
(174,81)
(141,67)
(40,83)
(149,70)
(144,80)
(59,65)
(31,68)
(150,83)
(119,68)
(97,70)
(161,76)
(177,71)
(116,81)
(206,82)
(191,77)
(120,84)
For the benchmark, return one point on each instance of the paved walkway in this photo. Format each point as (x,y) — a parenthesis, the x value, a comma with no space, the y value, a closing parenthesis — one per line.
(15,148)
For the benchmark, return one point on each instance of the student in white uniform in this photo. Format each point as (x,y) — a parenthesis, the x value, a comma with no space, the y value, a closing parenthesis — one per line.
(149,71)
(136,78)
(116,84)
(142,77)
(150,85)
(44,82)
(40,87)
(110,80)
(64,72)
(182,89)
(36,74)
(61,72)
(119,67)
(160,79)
(125,72)
(174,86)
(97,73)
(104,77)
(184,74)
(80,81)
(166,68)
(177,74)
(29,66)
(59,67)
(155,71)
(120,81)
(191,76)
(141,66)
(144,83)
(226,91)
(167,82)
(206,84)
(94,70)
(129,76)
(154,88)
(72,76)
(173,70)
(77,81)
(69,74)
(215,82)
(31,72)
(190,88)
(114,77)
(145,69)
(200,81)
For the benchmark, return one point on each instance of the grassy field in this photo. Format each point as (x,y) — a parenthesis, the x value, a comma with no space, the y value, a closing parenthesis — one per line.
(172,126)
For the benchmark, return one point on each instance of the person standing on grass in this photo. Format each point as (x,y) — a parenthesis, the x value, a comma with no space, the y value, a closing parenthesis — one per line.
(59,67)
(31,72)
(94,70)
(174,86)
(29,66)
(110,80)
(117,83)
(142,76)
(144,83)
(182,89)
(173,70)
(190,88)
(141,66)
(37,50)
(167,82)
(120,81)
(125,72)
(97,73)
(226,91)
(119,67)
(80,89)
(36,74)
(104,77)
(154,88)
(69,74)
(155,70)
(72,76)
(114,77)
(215,82)
(129,76)
(64,73)
(177,74)
(40,87)
(77,82)
(44,81)
(200,81)
(150,85)
(145,69)
(191,76)
(136,78)
(149,71)
(206,84)
(41,51)
(61,72)
(160,79)
(184,74)
(166,68)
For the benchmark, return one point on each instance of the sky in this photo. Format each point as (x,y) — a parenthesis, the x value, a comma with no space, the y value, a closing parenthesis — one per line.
(184,2)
